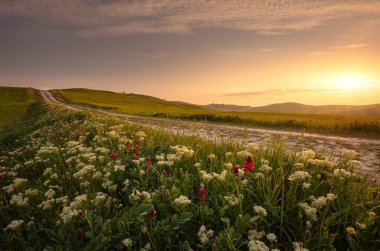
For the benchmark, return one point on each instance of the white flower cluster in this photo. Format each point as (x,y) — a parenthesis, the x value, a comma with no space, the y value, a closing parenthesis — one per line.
(204,235)
(137,195)
(14,225)
(305,155)
(19,200)
(211,156)
(207,177)
(256,245)
(341,173)
(349,154)
(298,246)
(18,182)
(232,200)
(311,212)
(299,175)
(244,154)
(260,211)
(321,163)
(127,242)
(182,201)
(48,150)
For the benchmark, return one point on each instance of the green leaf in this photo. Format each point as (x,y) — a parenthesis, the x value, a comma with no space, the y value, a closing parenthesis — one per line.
(145,209)
(121,226)
(186,216)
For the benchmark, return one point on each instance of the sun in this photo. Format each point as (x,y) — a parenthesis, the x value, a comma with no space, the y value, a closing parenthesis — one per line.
(349,82)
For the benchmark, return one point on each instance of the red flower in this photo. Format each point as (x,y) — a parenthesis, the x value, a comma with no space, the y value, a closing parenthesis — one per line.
(248,164)
(148,162)
(165,173)
(202,193)
(80,235)
(1,177)
(135,150)
(126,152)
(235,170)
(80,212)
(129,143)
(114,156)
(152,214)
(138,143)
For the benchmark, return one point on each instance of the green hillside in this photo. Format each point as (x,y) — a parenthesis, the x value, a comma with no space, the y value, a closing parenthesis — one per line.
(16,105)
(127,103)
(155,107)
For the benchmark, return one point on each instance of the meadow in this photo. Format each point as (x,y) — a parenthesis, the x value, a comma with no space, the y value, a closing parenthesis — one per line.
(134,104)
(96,182)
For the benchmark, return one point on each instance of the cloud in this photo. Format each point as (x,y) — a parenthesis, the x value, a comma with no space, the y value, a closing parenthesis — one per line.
(351,46)
(116,17)
(157,55)
(320,53)
(277,92)
(231,52)
(267,50)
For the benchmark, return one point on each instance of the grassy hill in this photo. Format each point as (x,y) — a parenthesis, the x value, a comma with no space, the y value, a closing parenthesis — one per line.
(16,105)
(356,110)
(155,107)
(128,103)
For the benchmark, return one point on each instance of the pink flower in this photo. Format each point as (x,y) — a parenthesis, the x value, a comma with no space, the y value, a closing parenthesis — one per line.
(202,193)
(80,235)
(235,170)
(114,156)
(147,165)
(152,214)
(138,143)
(248,164)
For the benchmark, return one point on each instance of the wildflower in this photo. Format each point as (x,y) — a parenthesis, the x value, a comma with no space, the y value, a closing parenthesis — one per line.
(211,156)
(147,165)
(256,245)
(114,156)
(206,177)
(306,185)
(182,201)
(260,211)
(311,212)
(152,214)
(197,165)
(308,154)
(202,193)
(232,200)
(299,175)
(349,154)
(235,170)
(298,246)
(129,143)
(127,242)
(271,237)
(204,235)
(350,231)
(372,215)
(80,235)
(248,164)
(254,235)
(14,225)
(341,173)
(331,196)
(135,152)
(320,202)
(243,154)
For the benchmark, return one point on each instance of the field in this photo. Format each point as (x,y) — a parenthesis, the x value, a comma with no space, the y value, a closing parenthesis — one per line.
(149,106)
(16,105)
(96,182)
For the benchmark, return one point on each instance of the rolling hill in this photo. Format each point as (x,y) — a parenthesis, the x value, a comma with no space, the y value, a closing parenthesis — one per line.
(354,110)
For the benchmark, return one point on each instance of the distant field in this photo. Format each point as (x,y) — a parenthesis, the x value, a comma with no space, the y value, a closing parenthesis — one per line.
(15,105)
(151,106)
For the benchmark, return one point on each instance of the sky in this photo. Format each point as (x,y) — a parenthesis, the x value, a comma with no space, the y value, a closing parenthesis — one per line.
(245,52)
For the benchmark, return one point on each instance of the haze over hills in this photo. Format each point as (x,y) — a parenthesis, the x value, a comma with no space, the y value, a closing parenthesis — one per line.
(289,107)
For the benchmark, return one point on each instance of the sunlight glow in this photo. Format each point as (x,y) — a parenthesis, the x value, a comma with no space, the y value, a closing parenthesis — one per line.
(349,82)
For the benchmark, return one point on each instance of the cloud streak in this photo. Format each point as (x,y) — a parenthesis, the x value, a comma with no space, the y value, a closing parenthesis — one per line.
(115,17)
(278,92)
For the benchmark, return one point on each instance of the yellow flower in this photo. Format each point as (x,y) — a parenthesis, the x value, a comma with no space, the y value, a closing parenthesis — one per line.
(350,231)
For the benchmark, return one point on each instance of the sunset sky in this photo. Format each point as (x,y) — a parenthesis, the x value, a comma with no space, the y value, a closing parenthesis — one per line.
(248,52)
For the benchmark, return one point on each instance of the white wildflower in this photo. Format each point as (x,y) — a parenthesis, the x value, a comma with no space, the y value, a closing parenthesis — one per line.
(260,211)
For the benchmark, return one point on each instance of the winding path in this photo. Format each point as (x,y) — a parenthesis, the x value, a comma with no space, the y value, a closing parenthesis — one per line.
(369,149)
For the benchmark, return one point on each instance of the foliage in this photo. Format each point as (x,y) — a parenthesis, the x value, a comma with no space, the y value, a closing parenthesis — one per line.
(88,181)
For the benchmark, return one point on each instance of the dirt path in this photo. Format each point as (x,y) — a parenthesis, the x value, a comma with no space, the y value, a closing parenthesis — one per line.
(368,149)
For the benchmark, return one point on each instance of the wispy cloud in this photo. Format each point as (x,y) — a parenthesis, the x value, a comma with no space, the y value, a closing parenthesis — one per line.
(276,92)
(267,50)
(115,17)
(320,53)
(351,46)
(231,52)
(157,55)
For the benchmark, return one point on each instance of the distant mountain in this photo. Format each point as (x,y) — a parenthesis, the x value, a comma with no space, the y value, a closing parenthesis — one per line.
(224,107)
(359,110)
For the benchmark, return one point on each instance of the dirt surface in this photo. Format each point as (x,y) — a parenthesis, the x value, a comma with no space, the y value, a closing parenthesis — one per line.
(368,149)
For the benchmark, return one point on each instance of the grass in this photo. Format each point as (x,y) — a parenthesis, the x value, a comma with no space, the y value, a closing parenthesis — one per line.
(15,105)
(149,106)
(95,182)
